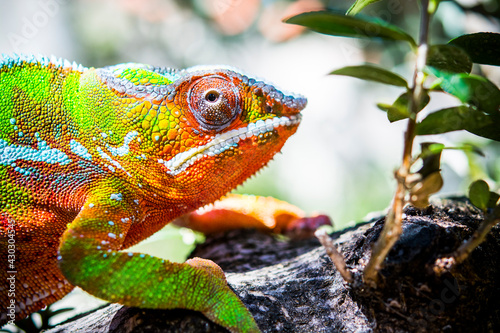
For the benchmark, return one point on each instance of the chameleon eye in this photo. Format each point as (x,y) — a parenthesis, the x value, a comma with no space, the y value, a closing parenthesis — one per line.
(214,102)
(212,96)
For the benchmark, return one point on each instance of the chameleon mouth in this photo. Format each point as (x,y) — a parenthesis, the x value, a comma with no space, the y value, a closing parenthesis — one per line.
(224,141)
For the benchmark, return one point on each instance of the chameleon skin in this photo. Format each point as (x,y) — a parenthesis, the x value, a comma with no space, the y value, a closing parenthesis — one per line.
(93,161)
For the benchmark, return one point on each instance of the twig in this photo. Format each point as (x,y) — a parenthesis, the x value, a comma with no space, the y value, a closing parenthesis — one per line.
(460,254)
(479,235)
(337,258)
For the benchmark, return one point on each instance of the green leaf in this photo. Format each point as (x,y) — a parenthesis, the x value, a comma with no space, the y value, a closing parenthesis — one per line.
(400,109)
(486,126)
(397,111)
(449,58)
(493,199)
(472,89)
(479,194)
(482,47)
(372,73)
(337,24)
(443,121)
(460,118)
(359,5)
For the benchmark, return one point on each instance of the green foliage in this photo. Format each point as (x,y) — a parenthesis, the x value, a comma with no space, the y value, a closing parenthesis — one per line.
(359,5)
(400,110)
(470,89)
(479,114)
(449,64)
(440,69)
(448,58)
(493,199)
(460,118)
(482,47)
(479,195)
(336,24)
(372,73)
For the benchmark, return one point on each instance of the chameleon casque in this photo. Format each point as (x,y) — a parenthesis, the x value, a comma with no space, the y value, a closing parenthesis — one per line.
(94,160)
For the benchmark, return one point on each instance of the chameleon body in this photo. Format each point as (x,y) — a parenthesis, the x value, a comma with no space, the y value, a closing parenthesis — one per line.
(94,160)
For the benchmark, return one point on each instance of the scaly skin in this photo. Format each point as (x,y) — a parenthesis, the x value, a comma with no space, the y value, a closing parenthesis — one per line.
(93,161)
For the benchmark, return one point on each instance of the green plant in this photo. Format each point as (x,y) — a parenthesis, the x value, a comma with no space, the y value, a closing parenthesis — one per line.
(486,200)
(438,68)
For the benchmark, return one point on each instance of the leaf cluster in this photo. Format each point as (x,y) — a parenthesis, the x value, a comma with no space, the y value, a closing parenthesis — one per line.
(447,70)
(440,69)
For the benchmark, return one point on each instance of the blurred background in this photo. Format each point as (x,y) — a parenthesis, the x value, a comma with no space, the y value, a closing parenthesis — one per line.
(341,160)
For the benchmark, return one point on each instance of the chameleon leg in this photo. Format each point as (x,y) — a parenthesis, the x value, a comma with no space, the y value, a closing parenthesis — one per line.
(247,211)
(89,257)
(33,280)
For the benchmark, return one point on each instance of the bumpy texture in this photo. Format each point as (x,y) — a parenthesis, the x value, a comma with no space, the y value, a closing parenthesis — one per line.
(93,161)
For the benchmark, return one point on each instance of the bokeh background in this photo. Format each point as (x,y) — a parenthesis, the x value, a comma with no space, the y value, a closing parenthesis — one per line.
(341,160)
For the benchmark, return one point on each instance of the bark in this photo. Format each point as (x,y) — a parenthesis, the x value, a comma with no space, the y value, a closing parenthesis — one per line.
(292,286)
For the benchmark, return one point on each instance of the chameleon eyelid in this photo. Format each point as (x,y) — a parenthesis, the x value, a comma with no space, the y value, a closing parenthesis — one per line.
(218,113)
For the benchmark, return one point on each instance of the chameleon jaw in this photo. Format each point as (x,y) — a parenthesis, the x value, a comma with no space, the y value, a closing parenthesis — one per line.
(224,141)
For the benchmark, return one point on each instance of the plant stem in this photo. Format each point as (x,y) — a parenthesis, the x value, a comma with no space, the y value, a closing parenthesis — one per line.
(478,237)
(334,254)
(392,227)
(445,264)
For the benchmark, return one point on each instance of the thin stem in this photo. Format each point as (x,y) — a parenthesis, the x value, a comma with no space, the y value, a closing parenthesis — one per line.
(478,237)
(446,263)
(334,254)
(392,227)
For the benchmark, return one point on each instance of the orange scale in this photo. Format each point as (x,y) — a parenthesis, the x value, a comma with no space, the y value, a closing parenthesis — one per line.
(167,149)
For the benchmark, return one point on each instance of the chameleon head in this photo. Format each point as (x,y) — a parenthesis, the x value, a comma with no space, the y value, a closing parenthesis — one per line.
(204,128)
(233,126)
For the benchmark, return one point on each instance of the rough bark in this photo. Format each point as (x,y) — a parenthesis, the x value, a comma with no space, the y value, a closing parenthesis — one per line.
(293,286)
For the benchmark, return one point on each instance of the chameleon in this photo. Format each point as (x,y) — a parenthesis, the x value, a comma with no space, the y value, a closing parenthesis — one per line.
(94,160)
